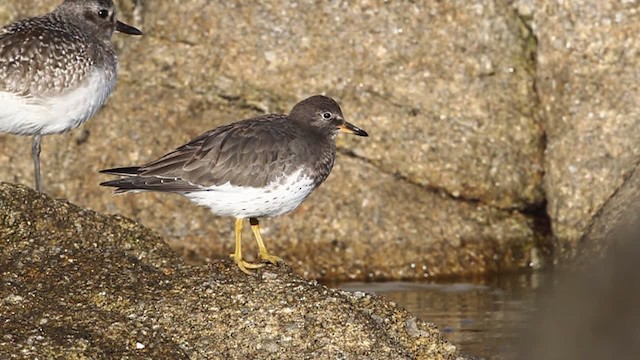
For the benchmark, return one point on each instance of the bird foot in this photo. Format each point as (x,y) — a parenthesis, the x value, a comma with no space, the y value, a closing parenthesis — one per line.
(244,265)
(265,256)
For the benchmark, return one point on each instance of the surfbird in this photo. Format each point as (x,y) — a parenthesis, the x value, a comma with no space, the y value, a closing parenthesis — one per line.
(57,70)
(260,167)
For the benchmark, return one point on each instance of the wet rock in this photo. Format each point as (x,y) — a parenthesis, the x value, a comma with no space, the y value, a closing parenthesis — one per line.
(76,283)
(445,185)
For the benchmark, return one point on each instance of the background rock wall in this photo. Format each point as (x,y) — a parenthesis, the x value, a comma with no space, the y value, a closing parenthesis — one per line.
(588,80)
(468,106)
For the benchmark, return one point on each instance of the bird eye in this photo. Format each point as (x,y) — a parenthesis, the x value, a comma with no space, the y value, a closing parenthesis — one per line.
(327,115)
(103,13)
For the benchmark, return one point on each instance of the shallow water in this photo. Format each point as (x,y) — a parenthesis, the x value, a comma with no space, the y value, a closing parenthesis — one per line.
(482,317)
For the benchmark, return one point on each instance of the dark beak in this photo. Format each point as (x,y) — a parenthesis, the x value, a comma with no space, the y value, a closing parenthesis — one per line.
(352,129)
(127,29)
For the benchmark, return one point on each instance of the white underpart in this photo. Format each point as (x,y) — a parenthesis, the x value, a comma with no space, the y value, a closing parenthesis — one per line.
(279,197)
(30,115)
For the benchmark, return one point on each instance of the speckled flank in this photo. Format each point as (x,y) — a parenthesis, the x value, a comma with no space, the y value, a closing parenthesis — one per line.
(279,197)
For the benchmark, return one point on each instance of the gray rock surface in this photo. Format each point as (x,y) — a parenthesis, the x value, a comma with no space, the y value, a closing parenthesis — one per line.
(445,185)
(618,218)
(588,80)
(79,284)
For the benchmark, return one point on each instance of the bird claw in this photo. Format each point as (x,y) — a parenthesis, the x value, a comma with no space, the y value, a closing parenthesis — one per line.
(244,265)
(265,256)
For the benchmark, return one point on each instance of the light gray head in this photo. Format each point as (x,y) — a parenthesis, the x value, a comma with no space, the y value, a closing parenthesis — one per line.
(323,113)
(97,17)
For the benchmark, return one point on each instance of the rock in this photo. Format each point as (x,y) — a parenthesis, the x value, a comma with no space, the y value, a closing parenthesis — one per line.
(588,83)
(76,283)
(619,214)
(450,181)
(592,313)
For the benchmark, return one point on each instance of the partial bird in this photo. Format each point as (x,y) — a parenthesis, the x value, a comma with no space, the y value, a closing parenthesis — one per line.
(57,70)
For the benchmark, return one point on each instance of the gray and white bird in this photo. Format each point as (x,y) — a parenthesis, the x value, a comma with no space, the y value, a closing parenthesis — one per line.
(260,167)
(57,70)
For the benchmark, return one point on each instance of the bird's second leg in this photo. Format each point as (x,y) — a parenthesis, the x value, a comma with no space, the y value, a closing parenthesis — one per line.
(237,255)
(35,153)
(264,254)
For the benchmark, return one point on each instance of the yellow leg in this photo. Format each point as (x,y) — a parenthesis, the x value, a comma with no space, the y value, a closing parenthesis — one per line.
(264,254)
(237,255)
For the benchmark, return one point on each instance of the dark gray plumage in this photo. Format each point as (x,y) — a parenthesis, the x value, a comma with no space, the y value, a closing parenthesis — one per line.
(253,152)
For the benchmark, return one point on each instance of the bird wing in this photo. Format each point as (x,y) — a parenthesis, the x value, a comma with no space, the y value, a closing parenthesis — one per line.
(251,153)
(66,59)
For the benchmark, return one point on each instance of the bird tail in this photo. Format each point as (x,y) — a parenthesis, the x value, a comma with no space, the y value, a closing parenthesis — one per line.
(125,184)
(135,180)
(123,171)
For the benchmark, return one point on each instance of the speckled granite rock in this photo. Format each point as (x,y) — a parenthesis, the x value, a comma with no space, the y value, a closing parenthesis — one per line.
(448,182)
(447,106)
(79,284)
(588,79)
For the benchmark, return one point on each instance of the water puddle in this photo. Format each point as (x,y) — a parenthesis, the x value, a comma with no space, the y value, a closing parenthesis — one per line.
(482,317)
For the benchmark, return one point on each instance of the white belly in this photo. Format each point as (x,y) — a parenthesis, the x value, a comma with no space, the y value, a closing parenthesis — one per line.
(242,202)
(51,115)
